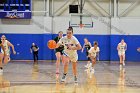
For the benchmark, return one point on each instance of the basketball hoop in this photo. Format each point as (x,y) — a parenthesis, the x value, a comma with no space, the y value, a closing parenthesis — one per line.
(81,20)
(81,25)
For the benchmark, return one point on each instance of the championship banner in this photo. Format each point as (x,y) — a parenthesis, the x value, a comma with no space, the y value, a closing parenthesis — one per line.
(15,9)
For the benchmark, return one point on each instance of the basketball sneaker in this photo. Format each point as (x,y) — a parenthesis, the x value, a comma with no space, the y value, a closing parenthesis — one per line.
(88,65)
(63,78)
(1,70)
(75,79)
(123,63)
(92,70)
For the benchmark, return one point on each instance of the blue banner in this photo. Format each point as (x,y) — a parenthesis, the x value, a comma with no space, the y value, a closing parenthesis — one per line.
(16,15)
(15,9)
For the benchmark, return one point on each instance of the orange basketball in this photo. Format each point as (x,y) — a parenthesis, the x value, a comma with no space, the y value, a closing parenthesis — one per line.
(51,44)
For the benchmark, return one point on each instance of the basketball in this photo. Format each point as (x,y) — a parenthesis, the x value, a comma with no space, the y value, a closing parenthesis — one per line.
(51,44)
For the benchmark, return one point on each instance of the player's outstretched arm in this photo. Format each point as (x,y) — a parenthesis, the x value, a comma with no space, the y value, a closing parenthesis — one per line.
(57,45)
(13,48)
(3,49)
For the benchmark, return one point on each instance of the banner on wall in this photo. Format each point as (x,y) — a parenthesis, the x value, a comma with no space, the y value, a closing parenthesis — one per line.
(15,9)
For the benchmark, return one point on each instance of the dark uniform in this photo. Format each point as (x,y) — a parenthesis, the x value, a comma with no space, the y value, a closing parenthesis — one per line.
(35,53)
(60,48)
(87,47)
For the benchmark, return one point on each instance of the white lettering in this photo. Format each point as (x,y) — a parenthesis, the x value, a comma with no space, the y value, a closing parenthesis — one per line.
(15,14)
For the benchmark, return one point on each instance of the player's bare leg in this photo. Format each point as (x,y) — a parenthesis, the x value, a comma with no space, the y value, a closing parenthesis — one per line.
(58,56)
(93,64)
(6,59)
(123,60)
(74,69)
(66,63)
(1,65)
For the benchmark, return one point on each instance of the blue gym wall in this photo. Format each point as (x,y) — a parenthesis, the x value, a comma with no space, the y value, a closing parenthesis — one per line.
(107,44)
(23,32)
(133,42)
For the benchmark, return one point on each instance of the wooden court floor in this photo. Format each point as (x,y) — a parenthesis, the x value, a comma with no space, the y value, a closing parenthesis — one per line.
(26,77)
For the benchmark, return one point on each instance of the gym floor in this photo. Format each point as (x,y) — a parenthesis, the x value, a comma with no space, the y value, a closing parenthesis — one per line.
(26,77)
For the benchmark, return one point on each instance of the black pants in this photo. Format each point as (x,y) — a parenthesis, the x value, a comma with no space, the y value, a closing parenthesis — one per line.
(87,53)
(35,55)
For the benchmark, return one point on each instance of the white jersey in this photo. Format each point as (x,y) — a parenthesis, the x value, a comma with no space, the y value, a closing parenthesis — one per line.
(6,47)
(93,52)
(122,47)
(66,42)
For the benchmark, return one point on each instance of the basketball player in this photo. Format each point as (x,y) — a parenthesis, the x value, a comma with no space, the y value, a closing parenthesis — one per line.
(122,47)
(87,46)
(34,48)
(2,47)
(138,49)
(93,54)
(71,45)
(7,46)
(58,51)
